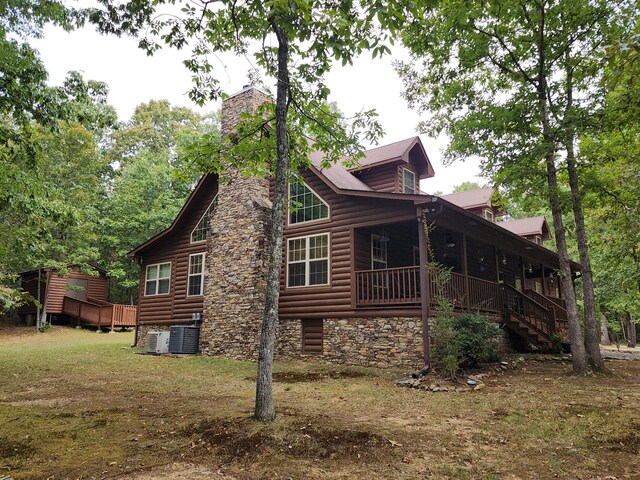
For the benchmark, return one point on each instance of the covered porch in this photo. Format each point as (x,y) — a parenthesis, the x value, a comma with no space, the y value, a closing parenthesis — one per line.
(475,275)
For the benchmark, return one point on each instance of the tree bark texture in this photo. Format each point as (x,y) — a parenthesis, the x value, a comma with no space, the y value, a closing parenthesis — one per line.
(578,353)
(265,407)
(631,331)
(591,340)
(605,339)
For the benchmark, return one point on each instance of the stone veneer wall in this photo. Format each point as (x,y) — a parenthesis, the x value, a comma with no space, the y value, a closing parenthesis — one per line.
(144,329)
(237,252)
(369,342)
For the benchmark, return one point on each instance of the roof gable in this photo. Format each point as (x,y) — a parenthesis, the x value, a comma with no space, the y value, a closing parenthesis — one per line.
(401,151)
(480,197)
(528,226)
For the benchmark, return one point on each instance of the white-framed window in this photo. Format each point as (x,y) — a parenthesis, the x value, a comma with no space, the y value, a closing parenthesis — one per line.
(487,214)
(157,279)
(537,240)
(199,234)
(308,261)
(378,251)
(305,205)
(195,283)
(408,181)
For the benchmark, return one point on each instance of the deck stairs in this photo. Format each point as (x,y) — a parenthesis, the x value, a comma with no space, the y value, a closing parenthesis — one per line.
(534,317)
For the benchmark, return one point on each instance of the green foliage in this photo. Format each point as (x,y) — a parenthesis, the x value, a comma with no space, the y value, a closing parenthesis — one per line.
(475,337)
(446,353)
(466,186)
(44,328)
(153,179)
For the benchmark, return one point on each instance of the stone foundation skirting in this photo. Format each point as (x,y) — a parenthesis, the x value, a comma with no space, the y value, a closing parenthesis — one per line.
(144,329)
(368,342)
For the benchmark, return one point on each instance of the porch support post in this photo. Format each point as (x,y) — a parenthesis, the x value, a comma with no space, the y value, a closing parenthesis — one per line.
(465,270)
(495,254)
(524,273)
(544,287)
(425,291)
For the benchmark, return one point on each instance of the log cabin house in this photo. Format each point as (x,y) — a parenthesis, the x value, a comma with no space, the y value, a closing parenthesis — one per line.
(75,296)
(355,286)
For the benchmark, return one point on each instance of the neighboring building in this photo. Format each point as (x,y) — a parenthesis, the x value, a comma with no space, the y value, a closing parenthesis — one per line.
(535,229)
(355,287)
(74,295)
(479,201)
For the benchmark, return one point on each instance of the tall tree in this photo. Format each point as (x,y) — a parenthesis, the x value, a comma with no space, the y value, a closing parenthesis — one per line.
(151,180)
(502,79)
(295,42)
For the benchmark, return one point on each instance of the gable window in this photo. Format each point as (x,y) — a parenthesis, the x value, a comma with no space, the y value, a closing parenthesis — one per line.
(537,240)
(378,252)
(195,284)
(157,279)
(488,215)
(408,181)
(305,204)
(308,261)
(199,234)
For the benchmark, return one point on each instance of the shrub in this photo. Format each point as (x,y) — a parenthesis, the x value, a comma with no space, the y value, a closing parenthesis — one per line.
(476,337)
(445,354)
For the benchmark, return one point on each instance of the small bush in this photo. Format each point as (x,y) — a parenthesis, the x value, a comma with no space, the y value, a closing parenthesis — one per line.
(45,327)
(445,354)
(463,341)
(476,336)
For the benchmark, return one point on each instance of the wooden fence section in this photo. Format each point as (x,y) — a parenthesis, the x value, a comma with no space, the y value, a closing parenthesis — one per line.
(100,314)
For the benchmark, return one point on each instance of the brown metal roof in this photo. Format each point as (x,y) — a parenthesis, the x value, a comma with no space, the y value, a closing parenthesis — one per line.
(528,226)
(394,152)
(471,198)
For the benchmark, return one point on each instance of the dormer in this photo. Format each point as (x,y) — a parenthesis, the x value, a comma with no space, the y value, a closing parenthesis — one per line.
(534,229)
(394,168)
(480,201)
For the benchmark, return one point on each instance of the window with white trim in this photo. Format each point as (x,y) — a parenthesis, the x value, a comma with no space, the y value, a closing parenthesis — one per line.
(487,214)
(199,234)
(195,284)
(308,261)
(378,251)
(157,279)
(537,240)
(408,181)
(305,204)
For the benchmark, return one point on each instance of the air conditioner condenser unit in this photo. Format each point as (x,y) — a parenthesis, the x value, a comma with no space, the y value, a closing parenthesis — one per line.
(158,342)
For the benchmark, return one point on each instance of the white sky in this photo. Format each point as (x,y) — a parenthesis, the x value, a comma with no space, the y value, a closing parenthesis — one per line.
(134,78)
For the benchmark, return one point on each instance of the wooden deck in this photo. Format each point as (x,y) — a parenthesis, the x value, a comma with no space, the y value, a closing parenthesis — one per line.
(99,313)
(535,317)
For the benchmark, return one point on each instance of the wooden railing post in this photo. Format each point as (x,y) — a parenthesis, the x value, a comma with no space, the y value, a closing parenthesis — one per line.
(465,271)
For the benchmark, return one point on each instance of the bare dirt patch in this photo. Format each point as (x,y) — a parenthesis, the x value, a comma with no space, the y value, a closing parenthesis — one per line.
(241,438)
(313,376)
(178,471)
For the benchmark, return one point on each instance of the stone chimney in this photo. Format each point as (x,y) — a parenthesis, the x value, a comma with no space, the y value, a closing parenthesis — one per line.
(237,250)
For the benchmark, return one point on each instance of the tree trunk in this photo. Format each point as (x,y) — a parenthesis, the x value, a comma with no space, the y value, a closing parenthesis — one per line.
(578,353)
(591,341)
(605,339)
(265,407)
(631,331)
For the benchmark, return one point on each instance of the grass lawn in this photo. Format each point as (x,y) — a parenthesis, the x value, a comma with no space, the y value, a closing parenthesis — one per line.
(79,405)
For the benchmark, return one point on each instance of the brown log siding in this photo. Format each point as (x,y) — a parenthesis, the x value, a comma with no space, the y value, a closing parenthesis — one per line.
(347,214)
(176,247)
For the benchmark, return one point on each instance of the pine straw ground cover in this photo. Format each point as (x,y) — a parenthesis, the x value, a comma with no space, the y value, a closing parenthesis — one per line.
(77,405)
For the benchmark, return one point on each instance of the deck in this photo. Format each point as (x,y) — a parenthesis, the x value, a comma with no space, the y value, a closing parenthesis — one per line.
(100,314)
(534,316)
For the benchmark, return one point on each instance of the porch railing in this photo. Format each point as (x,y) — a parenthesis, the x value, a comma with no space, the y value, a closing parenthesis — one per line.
(558,312)
(100,313)
(389,286)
